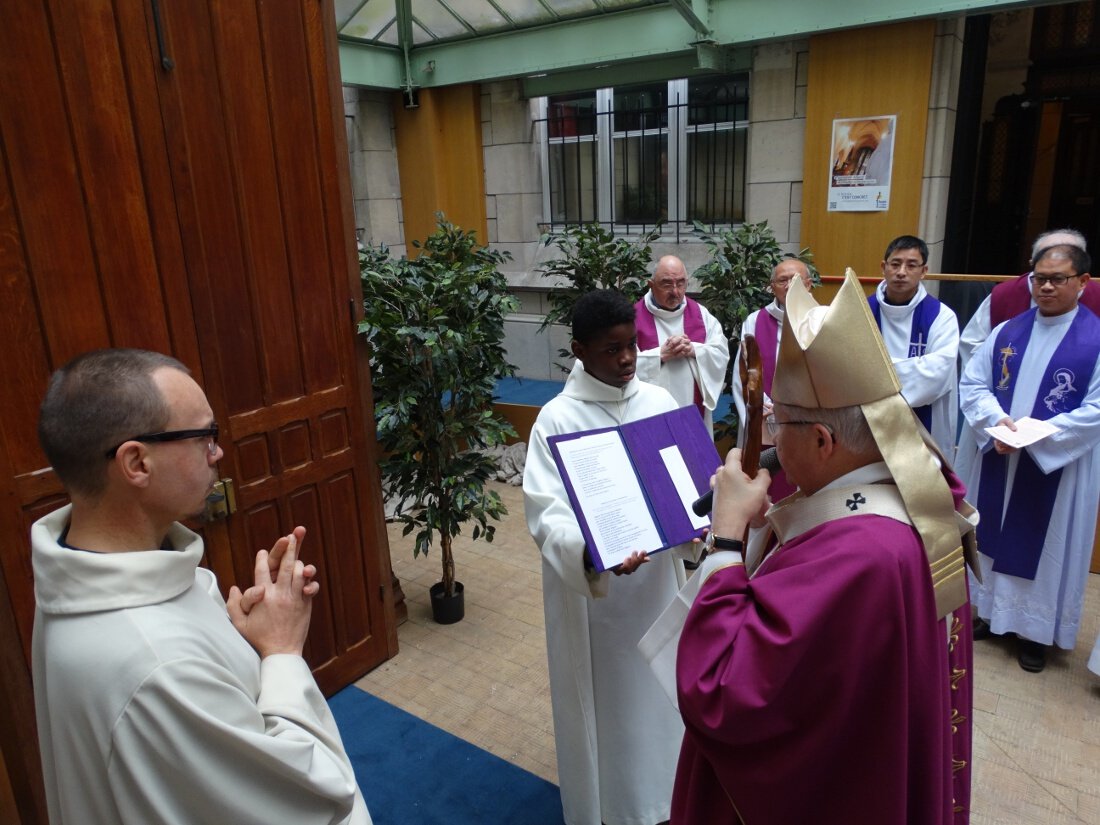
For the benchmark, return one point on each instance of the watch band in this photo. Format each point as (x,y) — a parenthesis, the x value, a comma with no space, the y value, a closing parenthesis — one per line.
(718,543)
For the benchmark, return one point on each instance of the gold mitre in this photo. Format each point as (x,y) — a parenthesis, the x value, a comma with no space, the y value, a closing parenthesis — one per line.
(823,359)
(833,356)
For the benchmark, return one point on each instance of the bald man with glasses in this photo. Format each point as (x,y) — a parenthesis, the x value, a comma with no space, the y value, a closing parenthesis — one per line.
(156,700)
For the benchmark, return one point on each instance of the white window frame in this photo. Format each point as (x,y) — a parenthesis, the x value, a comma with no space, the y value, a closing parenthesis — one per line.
(677,132)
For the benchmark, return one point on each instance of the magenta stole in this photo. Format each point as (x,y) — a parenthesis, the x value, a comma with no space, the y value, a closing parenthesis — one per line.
(1016,544)
(767,340)
(694,328)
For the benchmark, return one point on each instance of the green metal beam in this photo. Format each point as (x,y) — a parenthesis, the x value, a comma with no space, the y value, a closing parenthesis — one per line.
(599,42)
(749,21)
(696,13)
(653,31)
(645,71)
(382,67)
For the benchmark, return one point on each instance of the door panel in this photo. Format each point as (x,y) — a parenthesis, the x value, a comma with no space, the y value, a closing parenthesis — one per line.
(278,346)
(198,211)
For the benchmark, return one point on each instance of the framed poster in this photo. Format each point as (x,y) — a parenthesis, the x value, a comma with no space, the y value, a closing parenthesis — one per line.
(861,164)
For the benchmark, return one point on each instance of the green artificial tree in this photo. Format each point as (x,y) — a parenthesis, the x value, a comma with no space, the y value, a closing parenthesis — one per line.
(436,330)
(593,258)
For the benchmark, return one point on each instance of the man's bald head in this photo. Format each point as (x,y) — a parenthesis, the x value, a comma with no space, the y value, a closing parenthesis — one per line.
(1057,237)
(669,282)
(786,271)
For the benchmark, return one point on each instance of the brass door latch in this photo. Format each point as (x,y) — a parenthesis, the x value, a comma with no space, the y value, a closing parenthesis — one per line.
(222,501)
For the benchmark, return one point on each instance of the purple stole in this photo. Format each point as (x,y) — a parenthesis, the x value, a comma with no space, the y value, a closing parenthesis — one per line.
(924,315)
(1016,545)
(767,340)
(694,328)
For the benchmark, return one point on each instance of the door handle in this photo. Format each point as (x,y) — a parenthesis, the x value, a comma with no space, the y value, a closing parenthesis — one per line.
(222,501)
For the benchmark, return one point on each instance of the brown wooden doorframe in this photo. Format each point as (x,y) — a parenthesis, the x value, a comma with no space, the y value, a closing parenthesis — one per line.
(138,207)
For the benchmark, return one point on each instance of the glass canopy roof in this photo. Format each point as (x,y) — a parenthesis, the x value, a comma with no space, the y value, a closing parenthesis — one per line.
(433,21)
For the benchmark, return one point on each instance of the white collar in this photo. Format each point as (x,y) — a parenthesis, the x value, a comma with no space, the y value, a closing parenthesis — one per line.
(584,387)
(68,581)
(1056,320)
(867,490)
(899,310)
(661,312)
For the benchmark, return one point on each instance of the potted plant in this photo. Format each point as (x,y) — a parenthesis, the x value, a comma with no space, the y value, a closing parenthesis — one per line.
(436,330)
(734,283)
(591,257)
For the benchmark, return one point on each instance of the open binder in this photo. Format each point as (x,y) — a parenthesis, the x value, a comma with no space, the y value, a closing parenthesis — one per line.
(632,486)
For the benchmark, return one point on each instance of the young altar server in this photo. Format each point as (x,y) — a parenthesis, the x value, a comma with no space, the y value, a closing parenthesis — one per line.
(616,734)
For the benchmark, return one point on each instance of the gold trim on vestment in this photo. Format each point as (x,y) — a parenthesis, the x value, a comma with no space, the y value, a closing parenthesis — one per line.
(957,673)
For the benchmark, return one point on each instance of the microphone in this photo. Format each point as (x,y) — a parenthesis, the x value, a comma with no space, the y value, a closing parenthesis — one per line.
(769,460)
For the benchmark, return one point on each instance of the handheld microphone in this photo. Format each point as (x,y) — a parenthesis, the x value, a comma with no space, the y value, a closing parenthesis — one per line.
(769,460)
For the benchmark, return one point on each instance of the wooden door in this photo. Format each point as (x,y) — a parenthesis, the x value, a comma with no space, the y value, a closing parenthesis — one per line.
(179,182)
(258,164)
(1075,186)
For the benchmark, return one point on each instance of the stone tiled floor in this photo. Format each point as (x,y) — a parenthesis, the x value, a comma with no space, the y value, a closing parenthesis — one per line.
(1036,736)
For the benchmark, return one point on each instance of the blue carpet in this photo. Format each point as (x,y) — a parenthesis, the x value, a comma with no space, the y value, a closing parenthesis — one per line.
(526,391)
(413,773)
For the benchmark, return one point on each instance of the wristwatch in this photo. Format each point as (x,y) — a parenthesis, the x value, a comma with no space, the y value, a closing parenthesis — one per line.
(715,542)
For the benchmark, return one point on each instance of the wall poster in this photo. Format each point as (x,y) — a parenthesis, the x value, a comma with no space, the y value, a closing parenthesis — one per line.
(862,162)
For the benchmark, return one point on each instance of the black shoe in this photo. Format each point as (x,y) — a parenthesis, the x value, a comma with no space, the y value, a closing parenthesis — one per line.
(982,630)
(1032,656)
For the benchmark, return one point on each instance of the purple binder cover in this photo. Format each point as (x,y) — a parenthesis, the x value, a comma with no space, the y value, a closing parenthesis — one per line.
(644,439)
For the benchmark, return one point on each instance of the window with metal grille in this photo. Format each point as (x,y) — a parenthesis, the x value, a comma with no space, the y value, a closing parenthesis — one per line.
(631,157)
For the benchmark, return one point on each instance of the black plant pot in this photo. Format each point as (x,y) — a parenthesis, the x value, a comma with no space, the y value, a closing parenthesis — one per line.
(447,610)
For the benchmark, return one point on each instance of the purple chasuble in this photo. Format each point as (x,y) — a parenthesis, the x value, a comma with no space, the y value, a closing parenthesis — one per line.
(1016,543)
(694,328)
(827,672)
(924,315)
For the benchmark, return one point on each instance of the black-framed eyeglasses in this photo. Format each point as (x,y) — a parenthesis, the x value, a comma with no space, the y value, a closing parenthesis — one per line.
(1057,280)
(210,433)
(773,425)
(898,265)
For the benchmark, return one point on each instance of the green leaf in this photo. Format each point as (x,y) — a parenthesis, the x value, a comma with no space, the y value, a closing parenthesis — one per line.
(592,258)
